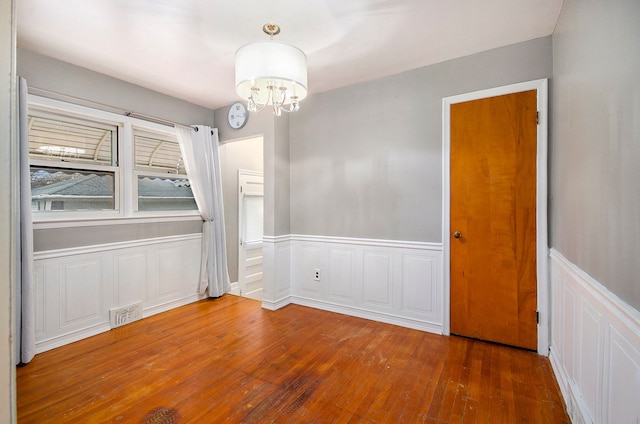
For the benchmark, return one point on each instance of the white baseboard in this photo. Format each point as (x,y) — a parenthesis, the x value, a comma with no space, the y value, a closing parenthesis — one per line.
(71,337)
(167,306)
(275,305)
(367,314)
(576,408)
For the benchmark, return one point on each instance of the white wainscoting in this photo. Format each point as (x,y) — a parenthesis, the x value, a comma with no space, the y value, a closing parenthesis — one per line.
(389,281)
(595,347)
(276,272)
(75,288)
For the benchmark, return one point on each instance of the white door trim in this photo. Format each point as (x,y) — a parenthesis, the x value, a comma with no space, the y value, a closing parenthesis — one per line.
(542,260)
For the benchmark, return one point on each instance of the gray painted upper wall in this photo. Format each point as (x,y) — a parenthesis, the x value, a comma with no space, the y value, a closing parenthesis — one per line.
(366,160)
(76,84)
(63,238)
(71,83)
(595,142)
(275,133)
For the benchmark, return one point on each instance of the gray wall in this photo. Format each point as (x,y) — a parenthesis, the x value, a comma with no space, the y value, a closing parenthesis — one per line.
(241,154)
(595,142)
(366,160)
(62,238)
(79,85)
(63,81)
(275,133)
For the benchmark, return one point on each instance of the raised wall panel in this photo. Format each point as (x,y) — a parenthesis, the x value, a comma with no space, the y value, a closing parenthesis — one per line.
(268,274)
(557,321)
(38,278)
(341,274)
(590,348)
(80,291)
(377,279)
(309,260)
(624,379)
(170,271)
(569,331)
(130,277)
(419,291)
(283,269)
(190,272)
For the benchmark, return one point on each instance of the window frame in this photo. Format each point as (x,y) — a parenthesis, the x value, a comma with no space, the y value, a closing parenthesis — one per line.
(148,132)
(125,174)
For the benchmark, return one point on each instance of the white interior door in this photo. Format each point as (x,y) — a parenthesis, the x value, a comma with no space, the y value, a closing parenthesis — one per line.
(250,226)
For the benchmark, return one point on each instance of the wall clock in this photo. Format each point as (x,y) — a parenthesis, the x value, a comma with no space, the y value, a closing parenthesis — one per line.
(237,116)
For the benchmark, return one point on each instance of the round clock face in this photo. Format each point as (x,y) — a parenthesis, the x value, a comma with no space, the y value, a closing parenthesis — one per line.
(237,115)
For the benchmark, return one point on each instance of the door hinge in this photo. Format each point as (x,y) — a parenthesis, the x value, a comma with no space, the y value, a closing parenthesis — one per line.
(537,118)
(240,189)
(537,317)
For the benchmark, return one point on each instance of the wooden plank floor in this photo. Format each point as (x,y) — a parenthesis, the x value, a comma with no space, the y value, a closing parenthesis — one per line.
(228,360)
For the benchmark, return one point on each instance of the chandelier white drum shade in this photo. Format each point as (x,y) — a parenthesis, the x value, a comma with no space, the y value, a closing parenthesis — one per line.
(271,73)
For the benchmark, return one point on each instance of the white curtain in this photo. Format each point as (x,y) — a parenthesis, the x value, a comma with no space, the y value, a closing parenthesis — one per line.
(200,150)
(25,299)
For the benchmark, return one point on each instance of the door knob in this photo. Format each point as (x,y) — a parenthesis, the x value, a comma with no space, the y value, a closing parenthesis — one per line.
(457,234)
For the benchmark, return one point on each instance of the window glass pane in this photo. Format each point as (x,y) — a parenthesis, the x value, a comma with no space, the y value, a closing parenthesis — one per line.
(164,193)
(55,189)
(159,155)
(253,210)
(72,141)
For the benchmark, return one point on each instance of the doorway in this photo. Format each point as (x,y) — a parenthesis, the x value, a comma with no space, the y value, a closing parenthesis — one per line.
(250,232)
(494,215)
(236,155)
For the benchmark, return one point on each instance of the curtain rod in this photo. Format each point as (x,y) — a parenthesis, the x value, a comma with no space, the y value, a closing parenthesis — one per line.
(153,119)
(100,106)
(159,120)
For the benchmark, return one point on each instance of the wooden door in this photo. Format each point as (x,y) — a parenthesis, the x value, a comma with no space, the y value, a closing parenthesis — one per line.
(493,219)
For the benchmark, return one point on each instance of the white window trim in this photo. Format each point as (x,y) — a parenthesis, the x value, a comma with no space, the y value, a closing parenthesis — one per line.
(125,174)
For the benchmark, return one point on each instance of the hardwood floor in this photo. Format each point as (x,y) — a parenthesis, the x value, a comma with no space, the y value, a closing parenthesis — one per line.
(228,360)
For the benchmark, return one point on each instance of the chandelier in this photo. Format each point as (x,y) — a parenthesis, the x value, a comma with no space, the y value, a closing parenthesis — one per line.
(269,73)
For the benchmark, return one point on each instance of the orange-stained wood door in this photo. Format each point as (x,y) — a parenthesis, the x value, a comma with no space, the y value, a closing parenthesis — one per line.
(493,219)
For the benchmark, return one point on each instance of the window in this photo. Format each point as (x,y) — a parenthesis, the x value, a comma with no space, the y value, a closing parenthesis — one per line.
(73,164)
(162,182)
(88,164)
(56,189)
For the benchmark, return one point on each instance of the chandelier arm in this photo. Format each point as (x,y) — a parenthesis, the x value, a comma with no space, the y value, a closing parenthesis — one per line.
(254,103)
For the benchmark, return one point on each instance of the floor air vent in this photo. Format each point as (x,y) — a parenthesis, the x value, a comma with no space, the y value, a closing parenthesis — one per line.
(125,314)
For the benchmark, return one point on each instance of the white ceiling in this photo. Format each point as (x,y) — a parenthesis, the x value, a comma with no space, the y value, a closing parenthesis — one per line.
(185,48)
